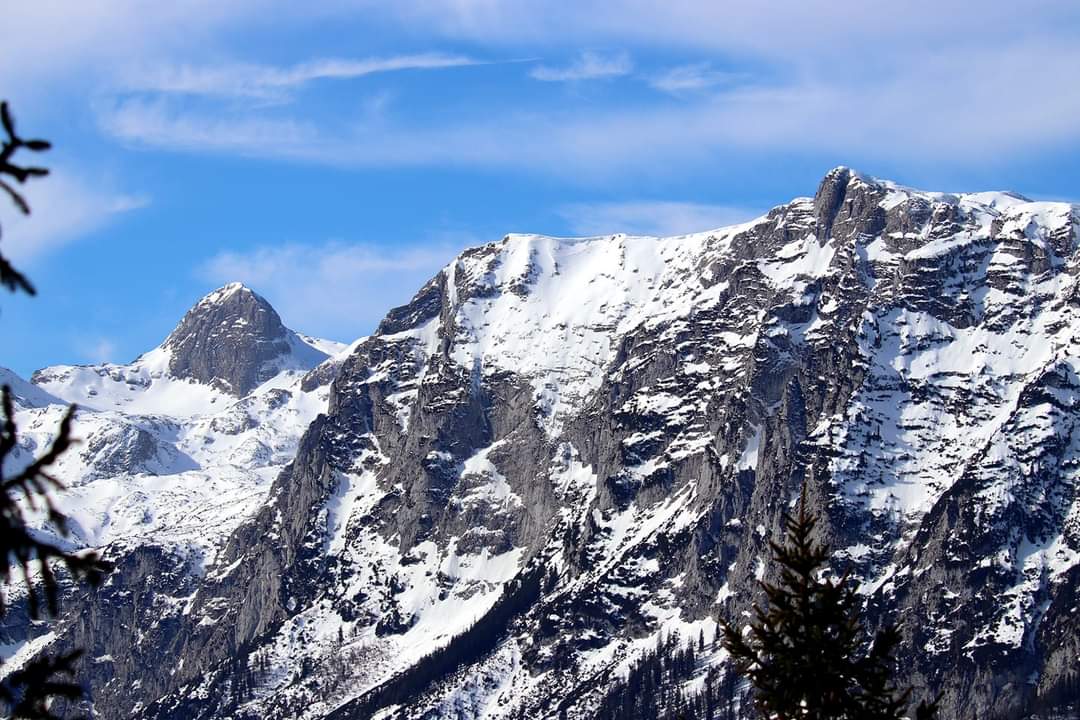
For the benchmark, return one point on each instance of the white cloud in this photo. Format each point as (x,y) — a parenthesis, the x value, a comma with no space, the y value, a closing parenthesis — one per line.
(794,31)
(265,82)
(974,118)
(64,207)
(96,350)
(659,218)
(334,290)
(872,81)
(160,124)
(588,66)
(690,78)
(54,45)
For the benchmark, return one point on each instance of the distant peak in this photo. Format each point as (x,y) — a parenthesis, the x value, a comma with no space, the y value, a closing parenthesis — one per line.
(844,174)
(229,338)
(830,194)
(227,291)
(840,171)
(834,185)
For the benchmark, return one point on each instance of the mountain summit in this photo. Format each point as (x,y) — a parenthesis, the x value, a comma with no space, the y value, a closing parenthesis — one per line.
(227,345)
(564,454)
(233,339)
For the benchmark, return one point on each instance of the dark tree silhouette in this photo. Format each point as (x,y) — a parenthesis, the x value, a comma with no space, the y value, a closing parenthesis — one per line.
(805,653)
(29,691)
(20,545)
(11,278)
(652,686)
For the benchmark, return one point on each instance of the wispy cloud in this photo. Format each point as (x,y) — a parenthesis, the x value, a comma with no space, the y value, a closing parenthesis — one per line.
(96,350)
(588,66)
(335,290)
(157,123)
(890,105)
(264,82)
(52,47)
(690,78)
(777,30)
(658,218)
(65,207)
(897,117)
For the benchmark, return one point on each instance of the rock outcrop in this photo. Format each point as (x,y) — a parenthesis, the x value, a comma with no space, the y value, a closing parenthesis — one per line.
(233,339)
(563,449)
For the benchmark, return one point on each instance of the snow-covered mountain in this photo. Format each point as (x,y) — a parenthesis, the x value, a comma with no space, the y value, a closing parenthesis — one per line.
(563,449)
(169,456)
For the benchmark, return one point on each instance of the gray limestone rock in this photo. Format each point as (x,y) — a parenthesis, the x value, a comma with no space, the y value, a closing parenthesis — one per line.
(862,343)
(233,339)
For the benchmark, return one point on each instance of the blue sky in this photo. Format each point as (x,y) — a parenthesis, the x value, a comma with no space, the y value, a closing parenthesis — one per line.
(333,157)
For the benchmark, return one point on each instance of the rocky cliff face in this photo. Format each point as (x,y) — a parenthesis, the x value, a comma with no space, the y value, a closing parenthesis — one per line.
(234,340)
(562,449)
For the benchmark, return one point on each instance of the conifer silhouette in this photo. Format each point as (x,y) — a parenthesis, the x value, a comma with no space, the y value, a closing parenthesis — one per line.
(30,691)
(805,652)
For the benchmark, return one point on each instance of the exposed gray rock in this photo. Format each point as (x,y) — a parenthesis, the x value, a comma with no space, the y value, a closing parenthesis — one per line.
(233,339)
(907,357)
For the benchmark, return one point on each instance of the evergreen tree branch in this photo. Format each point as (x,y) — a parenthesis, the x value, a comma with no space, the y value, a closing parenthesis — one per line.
(29,692)
(20,545)
(11,278)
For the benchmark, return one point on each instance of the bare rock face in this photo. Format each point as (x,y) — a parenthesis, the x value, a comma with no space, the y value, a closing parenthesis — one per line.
(562,450)
(232,339)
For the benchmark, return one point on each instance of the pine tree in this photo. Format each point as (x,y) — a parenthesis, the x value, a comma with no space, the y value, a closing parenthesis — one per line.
(30,691)
(804,653)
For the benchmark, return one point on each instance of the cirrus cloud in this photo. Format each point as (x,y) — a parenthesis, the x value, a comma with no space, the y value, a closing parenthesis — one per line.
(691,78)
(266,82)
(588,66)
(64,207)
(903,117)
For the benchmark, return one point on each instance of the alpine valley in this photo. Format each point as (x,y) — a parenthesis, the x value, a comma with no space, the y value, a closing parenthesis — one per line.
(564,454)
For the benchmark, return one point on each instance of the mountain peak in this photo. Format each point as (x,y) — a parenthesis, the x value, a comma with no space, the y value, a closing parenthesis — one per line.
(225,292)
(233,339)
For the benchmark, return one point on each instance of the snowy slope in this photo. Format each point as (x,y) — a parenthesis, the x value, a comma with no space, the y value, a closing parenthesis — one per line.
(563,449)
(165,461)
(691,343)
